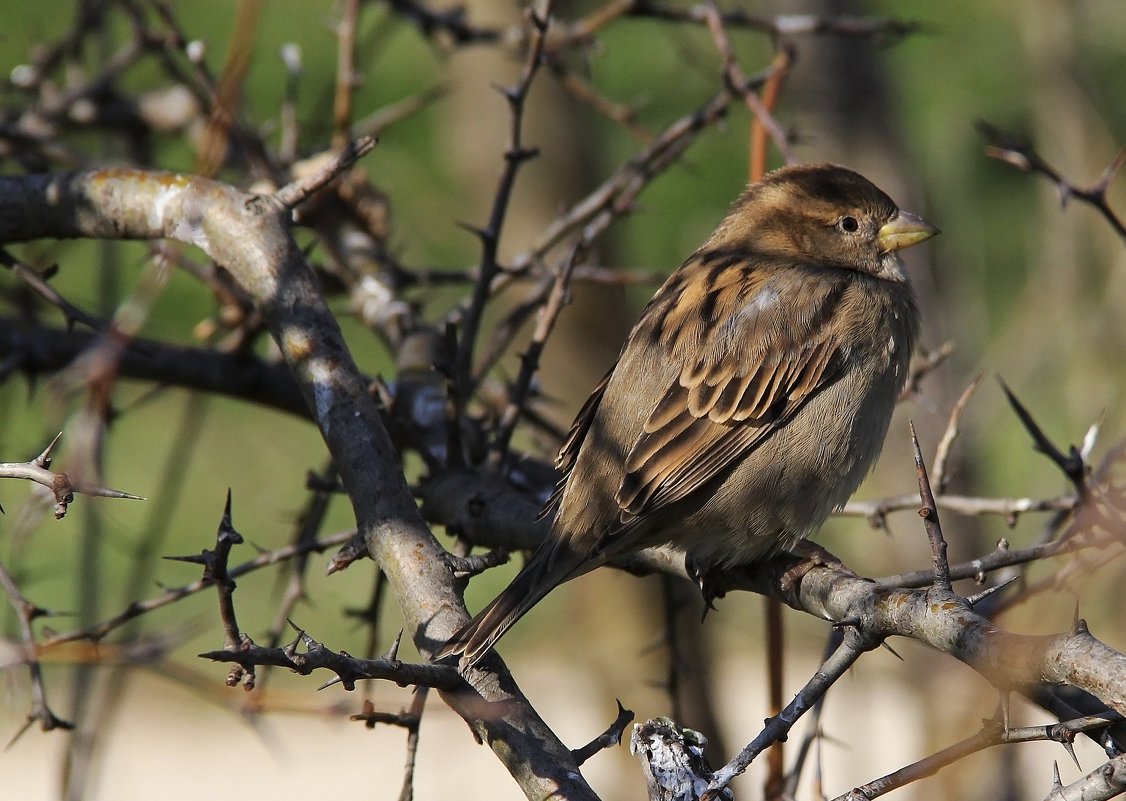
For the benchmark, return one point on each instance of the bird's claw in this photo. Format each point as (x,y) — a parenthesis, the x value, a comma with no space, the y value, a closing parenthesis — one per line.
(811,555)
(704,575)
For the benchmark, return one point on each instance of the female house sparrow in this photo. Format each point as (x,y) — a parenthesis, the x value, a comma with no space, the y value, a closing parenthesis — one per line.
(750,399)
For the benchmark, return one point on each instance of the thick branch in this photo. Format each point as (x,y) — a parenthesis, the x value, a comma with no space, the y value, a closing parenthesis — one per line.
(946,622)
(250,237)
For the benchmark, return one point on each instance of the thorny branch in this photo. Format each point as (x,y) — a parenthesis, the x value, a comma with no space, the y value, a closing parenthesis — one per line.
(26,611)
(1104,782)
(992,733)
(348,669)
(515,156)
(777,728)
(1009,662)
(267,559)
(608,739)
(248,235)
(1017,153)
(60,484)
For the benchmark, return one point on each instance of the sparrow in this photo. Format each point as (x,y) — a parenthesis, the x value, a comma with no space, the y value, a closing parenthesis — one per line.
(750,399)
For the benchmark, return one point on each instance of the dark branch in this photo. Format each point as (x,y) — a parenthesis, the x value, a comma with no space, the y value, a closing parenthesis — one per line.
(1017,153)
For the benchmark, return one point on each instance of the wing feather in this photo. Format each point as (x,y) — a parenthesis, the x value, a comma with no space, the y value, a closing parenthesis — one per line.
(737,395)
(569,450)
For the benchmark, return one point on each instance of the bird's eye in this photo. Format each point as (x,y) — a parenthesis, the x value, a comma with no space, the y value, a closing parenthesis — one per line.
(848,224)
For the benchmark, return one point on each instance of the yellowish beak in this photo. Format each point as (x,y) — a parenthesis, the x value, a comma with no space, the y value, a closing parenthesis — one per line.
(904,230)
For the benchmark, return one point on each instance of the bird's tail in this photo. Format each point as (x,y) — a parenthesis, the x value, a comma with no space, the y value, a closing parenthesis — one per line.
(476,638)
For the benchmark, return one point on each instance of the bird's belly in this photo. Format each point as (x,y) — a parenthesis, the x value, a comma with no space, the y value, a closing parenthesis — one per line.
(786,488)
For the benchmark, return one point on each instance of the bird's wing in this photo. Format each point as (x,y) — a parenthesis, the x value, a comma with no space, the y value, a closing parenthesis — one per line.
(569,450)
(770,347)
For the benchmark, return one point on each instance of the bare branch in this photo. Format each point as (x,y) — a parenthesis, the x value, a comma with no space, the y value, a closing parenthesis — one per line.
(929,513)
(786,24)
(852,646)
(346,75)
(945,621)
(1072,464)
(39,284)
(608,739)
(1104,782)
(26,611)
(740,84)
(348,669)
(96,632)
(1007,148)
(991,734)
(942,453)
(60,484)
(515,156)
(239,375)
(530,361)
(294,193)
(614,197)
(923,366)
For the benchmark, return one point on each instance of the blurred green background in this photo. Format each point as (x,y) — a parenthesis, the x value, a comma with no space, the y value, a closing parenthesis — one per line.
(1024,288)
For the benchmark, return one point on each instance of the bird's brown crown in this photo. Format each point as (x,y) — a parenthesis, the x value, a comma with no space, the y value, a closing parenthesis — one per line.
(812,213)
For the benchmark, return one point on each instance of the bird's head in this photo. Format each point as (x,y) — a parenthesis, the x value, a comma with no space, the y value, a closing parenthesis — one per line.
(822,214)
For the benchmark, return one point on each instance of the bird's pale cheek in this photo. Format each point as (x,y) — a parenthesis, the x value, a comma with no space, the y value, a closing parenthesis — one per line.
(891,267)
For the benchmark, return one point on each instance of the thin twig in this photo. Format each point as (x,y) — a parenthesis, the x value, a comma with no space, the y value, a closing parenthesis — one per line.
(740,84)
(1071,464)
(923,366)
(60,484)
(299,190)
(608,739)
(786,24)
(783,60)
(515,156)
(346,76)
(970,505)
(530,361)
(614,197)
(1014,152)
(26,611)
(98,631)
(929,513)
(309,522)
(289,119)
(942,452)
(38,283)
(991,734)
(777,727)
(414,714)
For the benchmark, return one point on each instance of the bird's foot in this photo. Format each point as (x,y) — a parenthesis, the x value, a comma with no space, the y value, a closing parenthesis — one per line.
(812,555)
(704,574)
